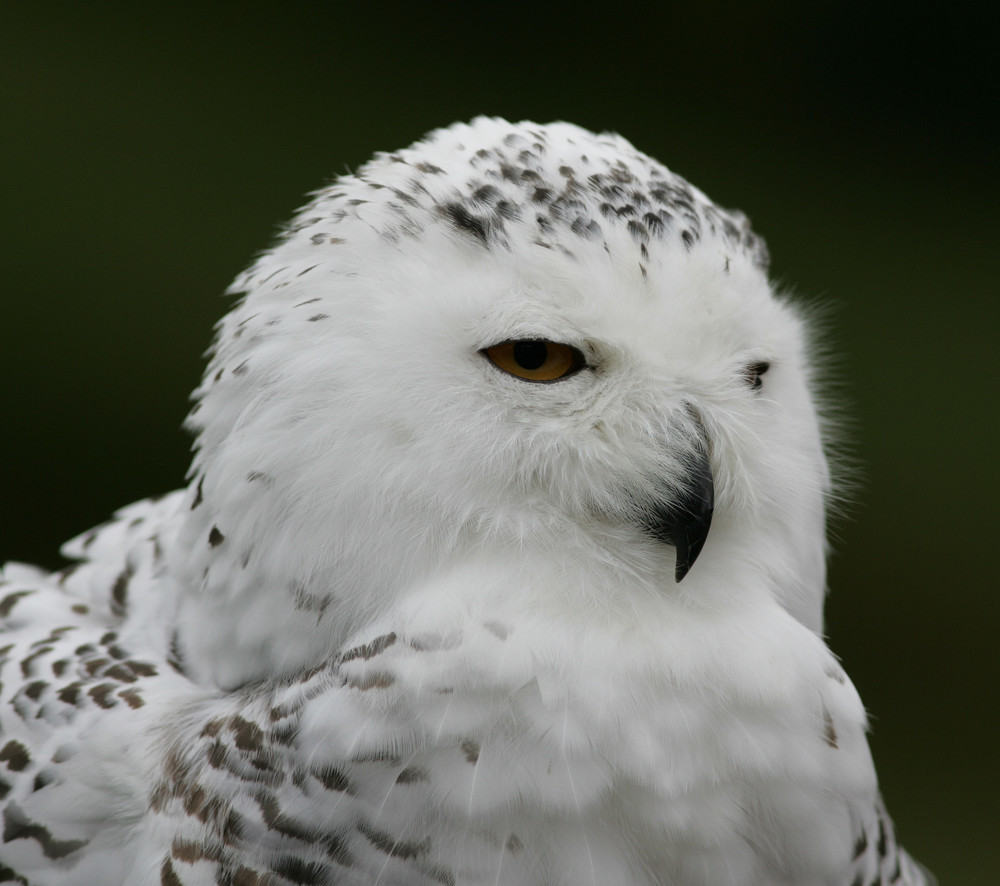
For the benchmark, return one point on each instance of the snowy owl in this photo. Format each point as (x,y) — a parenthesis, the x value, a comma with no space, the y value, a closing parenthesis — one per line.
(501,561)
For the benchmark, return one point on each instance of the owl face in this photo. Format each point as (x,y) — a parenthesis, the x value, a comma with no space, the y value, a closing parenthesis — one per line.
(508,337)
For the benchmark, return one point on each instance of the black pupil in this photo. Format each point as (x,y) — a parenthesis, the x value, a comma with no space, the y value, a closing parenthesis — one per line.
(531,354)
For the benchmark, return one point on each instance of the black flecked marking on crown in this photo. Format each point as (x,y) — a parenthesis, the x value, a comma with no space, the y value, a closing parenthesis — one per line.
(9,875)
(508,193)
(119,592)
(15,755)
(8,602)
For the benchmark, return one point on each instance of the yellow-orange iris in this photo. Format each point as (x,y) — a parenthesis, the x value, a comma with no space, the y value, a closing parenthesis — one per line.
(535,359)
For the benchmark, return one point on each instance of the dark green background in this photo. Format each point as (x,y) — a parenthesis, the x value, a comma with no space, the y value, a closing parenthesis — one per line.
(148,152)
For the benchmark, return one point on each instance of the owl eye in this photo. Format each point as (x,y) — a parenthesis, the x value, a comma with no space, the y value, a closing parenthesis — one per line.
(752,374)
(535,359)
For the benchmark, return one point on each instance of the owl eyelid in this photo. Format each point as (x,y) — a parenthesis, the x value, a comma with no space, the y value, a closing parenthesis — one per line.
(542,339)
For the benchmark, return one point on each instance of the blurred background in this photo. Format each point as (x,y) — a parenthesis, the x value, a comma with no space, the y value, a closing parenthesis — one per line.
(150,149)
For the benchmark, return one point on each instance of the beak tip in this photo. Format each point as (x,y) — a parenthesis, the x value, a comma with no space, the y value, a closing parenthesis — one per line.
(688,550)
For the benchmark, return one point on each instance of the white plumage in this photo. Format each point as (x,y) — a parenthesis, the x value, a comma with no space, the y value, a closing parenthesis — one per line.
(434,607)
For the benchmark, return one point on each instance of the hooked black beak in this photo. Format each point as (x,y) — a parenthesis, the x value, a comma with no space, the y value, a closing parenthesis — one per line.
(685,523)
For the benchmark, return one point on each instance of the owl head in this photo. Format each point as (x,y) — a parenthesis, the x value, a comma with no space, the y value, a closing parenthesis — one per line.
(507,343)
